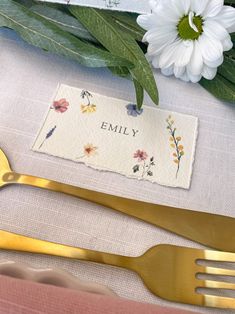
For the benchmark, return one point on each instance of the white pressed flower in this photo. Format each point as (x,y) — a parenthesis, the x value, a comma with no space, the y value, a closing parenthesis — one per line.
(187,38)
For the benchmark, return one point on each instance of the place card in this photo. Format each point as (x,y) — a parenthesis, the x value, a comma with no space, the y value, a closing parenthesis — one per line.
(137,6)
(113,135)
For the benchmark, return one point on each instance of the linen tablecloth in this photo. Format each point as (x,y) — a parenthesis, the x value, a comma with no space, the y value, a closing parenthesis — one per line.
(28,80)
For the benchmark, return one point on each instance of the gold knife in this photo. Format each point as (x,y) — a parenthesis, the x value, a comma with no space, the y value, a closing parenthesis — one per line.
(212,230)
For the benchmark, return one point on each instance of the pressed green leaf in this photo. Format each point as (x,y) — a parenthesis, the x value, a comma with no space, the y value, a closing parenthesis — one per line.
(227,69)
(139,93)
(106,31)
(220,88)
(44,34)
(63,20)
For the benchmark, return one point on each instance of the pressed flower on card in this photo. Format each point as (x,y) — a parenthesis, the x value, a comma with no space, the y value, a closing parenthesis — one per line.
(49,134)
(88,151)
(111,3)
(60,105)
(133,111)
(89,107)
(144,166)
(175,143)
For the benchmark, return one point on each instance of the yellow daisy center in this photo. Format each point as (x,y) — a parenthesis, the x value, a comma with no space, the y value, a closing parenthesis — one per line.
(185,30)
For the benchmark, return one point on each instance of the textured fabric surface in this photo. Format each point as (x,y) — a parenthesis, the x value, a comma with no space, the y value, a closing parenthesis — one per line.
(28,81)
(21,296)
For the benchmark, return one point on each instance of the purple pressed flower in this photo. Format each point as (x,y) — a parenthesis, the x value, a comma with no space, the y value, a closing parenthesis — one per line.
(49,134)
(133,111)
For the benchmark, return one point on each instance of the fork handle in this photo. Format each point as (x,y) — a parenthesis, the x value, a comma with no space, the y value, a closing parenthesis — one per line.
(209,229)
(15,242)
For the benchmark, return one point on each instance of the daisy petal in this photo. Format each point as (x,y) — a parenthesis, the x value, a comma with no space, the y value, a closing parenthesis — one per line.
(209,73)
(196,63)
(216,63)
(147,21)
(179,71)
(168,71)
(211,48)
(167,57)
(158,40)
(213,8)
(185,77)
(227,43)
(214,29)
(181,6)
(226,17)
(155,61)
(198,6)
(193,78)
(184,53)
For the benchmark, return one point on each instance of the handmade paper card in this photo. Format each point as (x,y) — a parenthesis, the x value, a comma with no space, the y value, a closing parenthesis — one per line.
(138,6)
(113,135)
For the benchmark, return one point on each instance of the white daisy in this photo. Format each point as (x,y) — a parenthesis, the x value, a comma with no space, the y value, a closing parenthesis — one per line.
(187,37)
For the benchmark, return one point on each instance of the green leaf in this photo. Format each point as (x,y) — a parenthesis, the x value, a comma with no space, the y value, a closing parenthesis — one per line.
(227,69)
(63,20)
(44,34)
(119,43)
(120,71)
(139,93)
(230,53)
(233,38)
(220,88)
(229,2)
(128,23)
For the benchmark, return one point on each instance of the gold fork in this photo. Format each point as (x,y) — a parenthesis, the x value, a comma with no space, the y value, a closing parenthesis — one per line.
(212,230)
(169,271)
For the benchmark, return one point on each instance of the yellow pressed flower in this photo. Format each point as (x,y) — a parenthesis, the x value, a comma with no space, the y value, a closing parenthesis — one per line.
(178,138)
(173,145)
(175,155)
(171,139)
(88,108)
(181,147)
(176,161)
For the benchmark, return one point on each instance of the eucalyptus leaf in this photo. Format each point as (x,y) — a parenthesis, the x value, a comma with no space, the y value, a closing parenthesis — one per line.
(229,2)
(227,69)
(233,37)
(230,53)
(128,23)
(139,93)
(63,20)
(119,43)
(41,33)
(220,88)
(120,71)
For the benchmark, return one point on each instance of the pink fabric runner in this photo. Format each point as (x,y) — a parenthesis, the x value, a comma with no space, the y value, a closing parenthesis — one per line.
(25,297)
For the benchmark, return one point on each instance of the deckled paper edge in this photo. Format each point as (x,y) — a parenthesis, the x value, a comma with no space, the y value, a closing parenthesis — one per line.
(104,169)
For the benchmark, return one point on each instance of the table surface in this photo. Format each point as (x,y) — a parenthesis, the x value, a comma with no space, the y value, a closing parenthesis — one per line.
(28,80)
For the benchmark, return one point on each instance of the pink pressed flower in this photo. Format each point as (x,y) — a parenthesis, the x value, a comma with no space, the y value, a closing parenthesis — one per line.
(60,105)
(141,155)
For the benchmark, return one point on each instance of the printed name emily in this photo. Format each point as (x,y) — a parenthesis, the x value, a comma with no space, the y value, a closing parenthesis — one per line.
(118,129)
